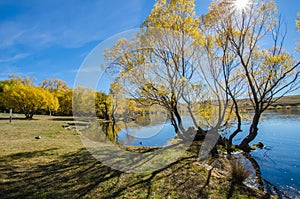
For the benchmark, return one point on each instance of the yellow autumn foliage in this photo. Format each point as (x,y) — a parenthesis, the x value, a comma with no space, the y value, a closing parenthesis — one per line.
(28,99)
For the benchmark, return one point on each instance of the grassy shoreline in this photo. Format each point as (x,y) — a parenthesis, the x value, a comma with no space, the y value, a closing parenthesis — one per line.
(59,166)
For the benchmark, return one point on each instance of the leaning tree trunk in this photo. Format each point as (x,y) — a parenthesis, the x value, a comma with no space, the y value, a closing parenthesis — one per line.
(244,145)
(178,117)
(175,125)
(238,129)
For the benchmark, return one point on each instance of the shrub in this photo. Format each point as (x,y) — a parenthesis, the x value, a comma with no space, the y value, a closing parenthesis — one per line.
(238,172)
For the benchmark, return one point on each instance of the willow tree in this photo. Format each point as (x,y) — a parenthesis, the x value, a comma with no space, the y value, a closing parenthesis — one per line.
(167,64)
(256,37)
(155,64)
(61,90)
(102,105)
(217,48)
(16,79)
(28,99)
(4,83)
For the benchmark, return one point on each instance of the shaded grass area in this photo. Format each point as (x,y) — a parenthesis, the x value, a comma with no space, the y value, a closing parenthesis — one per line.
(58,166)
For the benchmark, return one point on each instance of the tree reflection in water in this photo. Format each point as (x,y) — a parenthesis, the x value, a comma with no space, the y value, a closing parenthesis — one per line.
(102,132)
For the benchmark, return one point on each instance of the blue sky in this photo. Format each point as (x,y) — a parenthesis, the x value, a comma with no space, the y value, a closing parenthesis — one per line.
(51,38)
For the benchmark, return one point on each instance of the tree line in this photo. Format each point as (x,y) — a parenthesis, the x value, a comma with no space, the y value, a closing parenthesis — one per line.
(51,96)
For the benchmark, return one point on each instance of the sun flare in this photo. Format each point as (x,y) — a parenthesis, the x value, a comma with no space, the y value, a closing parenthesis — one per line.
(241,5)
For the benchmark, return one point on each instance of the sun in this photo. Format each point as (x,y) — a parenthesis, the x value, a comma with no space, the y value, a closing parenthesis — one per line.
(241,5)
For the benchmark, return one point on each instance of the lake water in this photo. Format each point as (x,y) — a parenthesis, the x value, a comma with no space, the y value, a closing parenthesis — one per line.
(278,130)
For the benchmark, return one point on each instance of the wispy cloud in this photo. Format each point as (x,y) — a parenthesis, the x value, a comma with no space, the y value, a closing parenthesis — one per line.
(51,37)
(15,57)
(69,24)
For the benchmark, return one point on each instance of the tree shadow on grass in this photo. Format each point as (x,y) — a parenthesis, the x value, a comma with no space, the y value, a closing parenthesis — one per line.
(53,118)
(63,118)
(79,174)
(71,176)
(26,155)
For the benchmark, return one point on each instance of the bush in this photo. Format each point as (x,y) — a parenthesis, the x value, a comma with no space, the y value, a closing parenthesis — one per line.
(238,172)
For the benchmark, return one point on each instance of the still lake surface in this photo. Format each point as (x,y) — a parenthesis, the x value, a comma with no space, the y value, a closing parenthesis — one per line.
(278,130)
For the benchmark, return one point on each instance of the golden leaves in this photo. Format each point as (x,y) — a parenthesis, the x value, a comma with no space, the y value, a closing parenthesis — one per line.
(28,98)
(175,15)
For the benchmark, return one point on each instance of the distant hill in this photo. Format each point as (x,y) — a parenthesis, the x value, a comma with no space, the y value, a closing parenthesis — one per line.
(292,101)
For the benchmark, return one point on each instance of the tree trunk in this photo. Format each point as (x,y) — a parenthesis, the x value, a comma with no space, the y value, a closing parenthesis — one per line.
(106,112)
(200,134)
(229,141)
(174,124)
(238,129)
(244,145)
(28,116)
(178,117)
